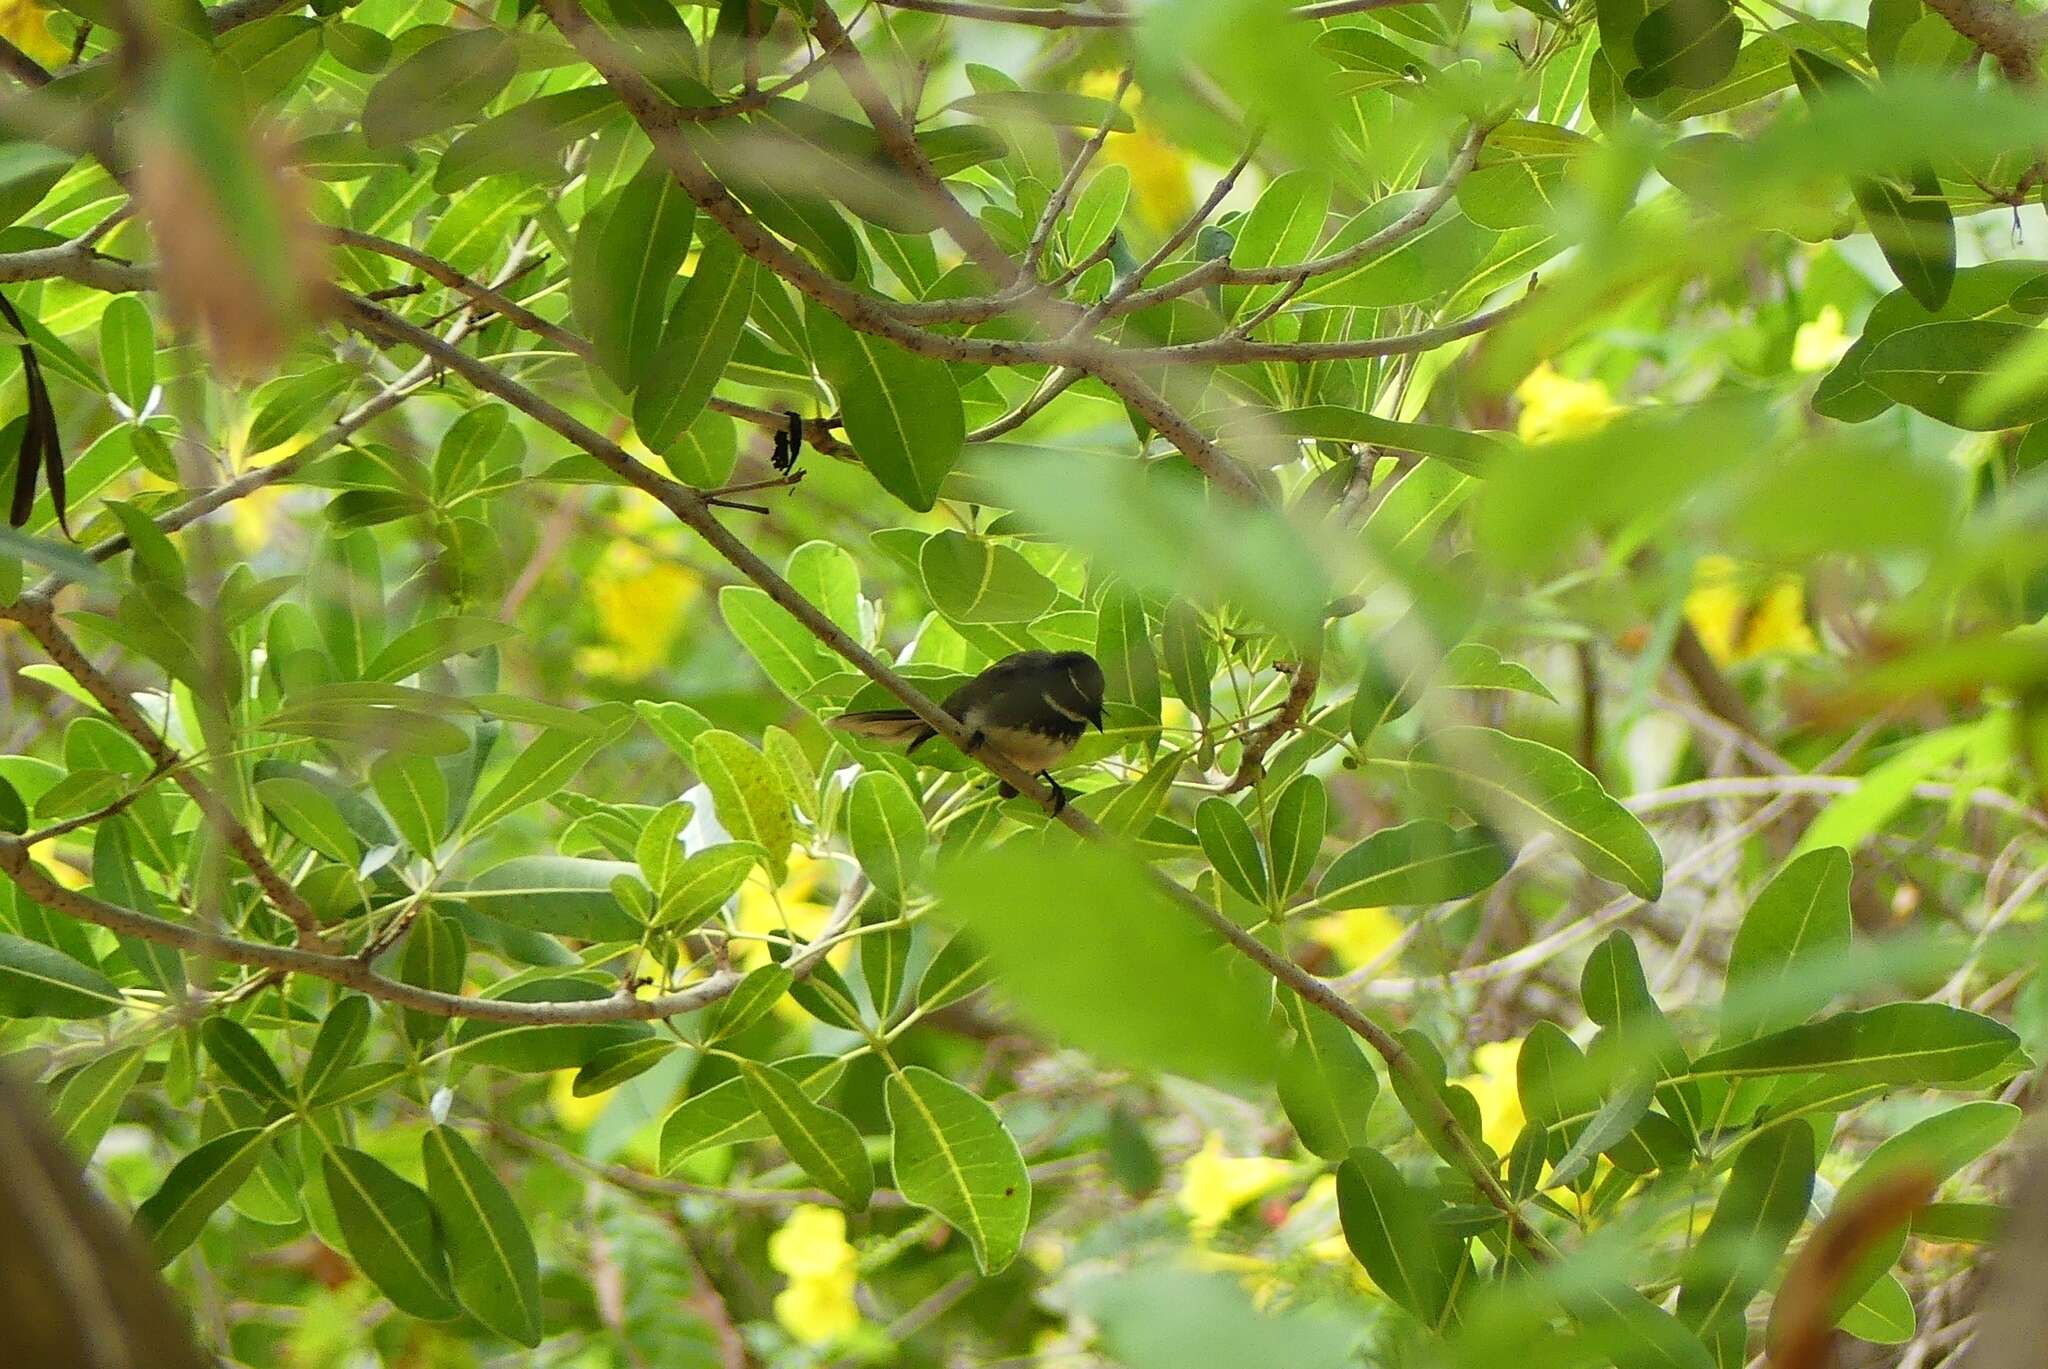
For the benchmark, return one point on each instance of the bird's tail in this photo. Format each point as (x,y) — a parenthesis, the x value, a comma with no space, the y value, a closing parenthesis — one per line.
(890,726)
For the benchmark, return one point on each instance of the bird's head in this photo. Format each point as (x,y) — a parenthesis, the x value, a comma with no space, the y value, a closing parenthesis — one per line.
(1078,681)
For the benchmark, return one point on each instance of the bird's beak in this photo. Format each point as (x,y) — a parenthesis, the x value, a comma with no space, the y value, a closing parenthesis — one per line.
(1097,720)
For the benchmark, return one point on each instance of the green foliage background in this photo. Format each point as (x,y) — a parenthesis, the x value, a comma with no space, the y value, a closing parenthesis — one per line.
(1556,496)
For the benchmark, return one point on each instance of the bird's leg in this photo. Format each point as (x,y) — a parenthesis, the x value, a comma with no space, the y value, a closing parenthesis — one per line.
(1059,795)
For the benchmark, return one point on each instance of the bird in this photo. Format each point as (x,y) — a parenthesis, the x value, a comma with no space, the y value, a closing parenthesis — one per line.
(1031,706)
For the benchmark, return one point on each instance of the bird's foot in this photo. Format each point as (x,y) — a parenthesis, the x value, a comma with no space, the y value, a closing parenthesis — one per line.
(1059,795)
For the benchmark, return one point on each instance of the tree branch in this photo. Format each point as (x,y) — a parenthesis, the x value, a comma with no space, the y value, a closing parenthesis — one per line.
(33,612)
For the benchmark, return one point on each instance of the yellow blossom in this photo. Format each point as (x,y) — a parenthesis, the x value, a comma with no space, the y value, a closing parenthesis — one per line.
(1739,617)
(1556,407)
(1819,344)
(64,872)
(812,1249)
(1357,936)
(1159,170)
(1493,1084)
(252,518)
(1214,1185)
(811,1243)
(572,1112)
(26,24)
(641,601)
(818,1311)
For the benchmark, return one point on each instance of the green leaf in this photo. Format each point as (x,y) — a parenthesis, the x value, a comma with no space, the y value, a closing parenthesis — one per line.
(703,883)
(1884,1315)
(1282,228)
(433,641)
(561,895)
(538,1048)
(155,557)
(1424,861)
(1097,212)
(440,84)
(526,138)
(1936,1147)
(785,649)
(952,1155)
(36,981)
(1327,1086)
(197,1185)
(1938,368)
(391,1234)
(1800,921)
(1897,1043)
(243,1060)
(1633,1332)
(753,999)
(751,805)
(497,1273)
(888,832)
(1233,850)
(614,1065)
(1089,949)
(625,262)
(1300,820)
(1606,1129)
(1688,43)
(1523,784)
(435,951)
(900,412)
(294,404)
(1474,665)
(336,1046)
(1189,655)
(824,1144)
(128,350)
(1388,1225)
(87,1104)
(959,969)
(697,344)
(544,767)
(1755,1218)
(659,852)
(415,795)
(13,812)
(309,814)
(974,580)
(724,1114)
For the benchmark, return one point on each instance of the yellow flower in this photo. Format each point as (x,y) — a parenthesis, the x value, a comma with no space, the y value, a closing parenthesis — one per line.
(252,517)
(1358,936)
(1493,1084)
(1214,1185)
(811,1243)
(572,1112)
(1159,170)
(641,601)
(1738,619)
(818,1311)
(812,1249)
(27,25)
(1819,345)
(1555,407)
(44,853)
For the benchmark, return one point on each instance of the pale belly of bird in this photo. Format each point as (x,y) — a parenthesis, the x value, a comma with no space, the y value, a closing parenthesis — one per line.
(1032,750)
